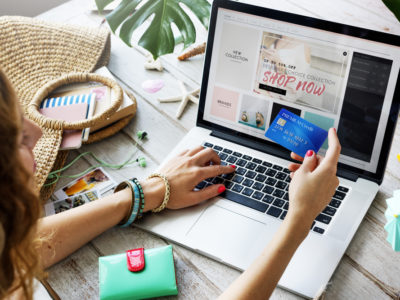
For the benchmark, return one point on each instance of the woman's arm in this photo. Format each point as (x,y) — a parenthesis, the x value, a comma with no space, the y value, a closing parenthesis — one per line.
(312,186)
(66,232)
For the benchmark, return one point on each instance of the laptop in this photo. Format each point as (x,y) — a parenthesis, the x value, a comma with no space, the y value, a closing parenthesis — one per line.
(257,62)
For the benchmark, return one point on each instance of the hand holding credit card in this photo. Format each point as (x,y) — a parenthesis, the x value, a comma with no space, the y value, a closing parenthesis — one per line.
(295,133)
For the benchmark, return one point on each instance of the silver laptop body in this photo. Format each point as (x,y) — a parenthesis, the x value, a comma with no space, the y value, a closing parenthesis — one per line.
(237,85)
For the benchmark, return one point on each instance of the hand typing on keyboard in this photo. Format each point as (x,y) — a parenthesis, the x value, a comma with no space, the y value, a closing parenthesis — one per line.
(184,172)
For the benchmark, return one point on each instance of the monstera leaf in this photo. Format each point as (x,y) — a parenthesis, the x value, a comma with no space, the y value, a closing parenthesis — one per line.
(394,6)
(158,37)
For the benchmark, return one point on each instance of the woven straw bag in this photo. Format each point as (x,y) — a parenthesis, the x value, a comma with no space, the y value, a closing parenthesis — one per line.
(38,57)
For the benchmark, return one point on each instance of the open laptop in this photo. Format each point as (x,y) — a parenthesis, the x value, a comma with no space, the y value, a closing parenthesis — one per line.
(258,61)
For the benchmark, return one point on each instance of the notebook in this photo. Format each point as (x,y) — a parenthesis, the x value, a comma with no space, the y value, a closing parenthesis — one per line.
(71,139)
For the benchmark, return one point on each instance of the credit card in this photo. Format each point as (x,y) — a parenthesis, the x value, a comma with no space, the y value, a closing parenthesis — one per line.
(295,133)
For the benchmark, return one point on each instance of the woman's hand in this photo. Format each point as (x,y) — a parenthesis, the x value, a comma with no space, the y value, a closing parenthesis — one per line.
(313,182)
(184,172)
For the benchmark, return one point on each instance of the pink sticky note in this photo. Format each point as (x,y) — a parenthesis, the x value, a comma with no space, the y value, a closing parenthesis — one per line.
(153,86)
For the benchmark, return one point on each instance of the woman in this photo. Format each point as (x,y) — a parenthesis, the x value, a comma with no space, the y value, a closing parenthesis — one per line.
(29,244)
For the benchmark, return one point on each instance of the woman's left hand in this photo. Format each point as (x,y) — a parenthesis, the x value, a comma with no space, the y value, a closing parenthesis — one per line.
(184,172)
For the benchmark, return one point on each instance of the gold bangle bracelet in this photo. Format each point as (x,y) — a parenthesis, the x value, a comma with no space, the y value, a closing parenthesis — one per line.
(167,191)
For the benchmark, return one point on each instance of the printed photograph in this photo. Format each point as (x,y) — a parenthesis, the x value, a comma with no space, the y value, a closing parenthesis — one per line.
(301,72)
(58,206)
(253,112)
(97,178)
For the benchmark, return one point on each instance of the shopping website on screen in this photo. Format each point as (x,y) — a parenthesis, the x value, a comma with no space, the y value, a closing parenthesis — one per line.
(260,66)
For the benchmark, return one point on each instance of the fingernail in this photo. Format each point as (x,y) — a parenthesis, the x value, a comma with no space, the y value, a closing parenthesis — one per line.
(221,189)
(334,129)
(309,153)
(233,166)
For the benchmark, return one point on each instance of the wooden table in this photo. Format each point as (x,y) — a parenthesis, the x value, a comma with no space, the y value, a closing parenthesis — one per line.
(370,269)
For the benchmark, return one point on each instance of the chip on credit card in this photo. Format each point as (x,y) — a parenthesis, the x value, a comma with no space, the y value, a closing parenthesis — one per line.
(295,133)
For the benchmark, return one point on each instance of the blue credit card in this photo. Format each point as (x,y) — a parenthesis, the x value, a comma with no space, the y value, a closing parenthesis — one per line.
(295,133)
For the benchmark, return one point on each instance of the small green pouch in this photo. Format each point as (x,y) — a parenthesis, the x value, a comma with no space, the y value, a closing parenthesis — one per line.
(156,279)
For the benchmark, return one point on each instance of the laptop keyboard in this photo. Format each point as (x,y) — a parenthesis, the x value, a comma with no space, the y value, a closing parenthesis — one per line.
(264,186)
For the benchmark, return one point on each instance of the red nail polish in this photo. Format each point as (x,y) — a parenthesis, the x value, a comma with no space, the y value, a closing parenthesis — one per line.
(233,166)
(221,189)
(334,129)
(309,153)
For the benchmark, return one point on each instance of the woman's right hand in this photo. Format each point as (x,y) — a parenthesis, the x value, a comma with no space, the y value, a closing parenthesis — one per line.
(313,182)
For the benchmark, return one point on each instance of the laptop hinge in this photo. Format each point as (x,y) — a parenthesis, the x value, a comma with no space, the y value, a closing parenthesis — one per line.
(285,154)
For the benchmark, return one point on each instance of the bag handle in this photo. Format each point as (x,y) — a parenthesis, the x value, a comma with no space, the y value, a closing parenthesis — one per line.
(44,91)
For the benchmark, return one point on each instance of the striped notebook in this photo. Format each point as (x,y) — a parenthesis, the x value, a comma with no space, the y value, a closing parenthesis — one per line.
(90,99)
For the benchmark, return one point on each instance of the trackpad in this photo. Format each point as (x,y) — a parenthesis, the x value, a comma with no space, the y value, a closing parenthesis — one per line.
(228,236)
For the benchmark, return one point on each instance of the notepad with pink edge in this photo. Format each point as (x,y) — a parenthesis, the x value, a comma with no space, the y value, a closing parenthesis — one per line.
(71,139)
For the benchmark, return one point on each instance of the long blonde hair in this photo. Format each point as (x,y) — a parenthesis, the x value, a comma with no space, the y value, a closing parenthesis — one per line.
(20,207)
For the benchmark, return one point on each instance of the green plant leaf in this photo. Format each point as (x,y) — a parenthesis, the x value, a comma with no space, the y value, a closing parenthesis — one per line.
(394,6)
(158,37)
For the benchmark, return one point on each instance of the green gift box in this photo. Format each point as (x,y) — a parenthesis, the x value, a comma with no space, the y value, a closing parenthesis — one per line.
(156,279)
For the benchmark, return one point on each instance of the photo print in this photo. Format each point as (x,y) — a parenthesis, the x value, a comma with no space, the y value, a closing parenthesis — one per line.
(301,72)
(253,112)
(59,206)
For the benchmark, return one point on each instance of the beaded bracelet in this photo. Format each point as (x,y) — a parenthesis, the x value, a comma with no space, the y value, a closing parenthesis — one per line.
(167,191)
(135,181)
(135,202)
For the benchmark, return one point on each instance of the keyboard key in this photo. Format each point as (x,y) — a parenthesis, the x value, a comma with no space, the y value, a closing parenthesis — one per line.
(231,159)
(281,185)
(222,156)
(268,189)
(257,161)
(251,166)
(286,170)
(228,176)
(260,178)
(288,179)
(266,164)
(286,197)
(274,211)
(270,172)
(313,223)
(279,168)
(241,162)
(217,180)
(271,181)
(257,195)
(261,169)
(208,145)
(283,215)
(237,154)
(241,171)
(237,178)
(335,203)
(223,163)
(329,210)
(237,188)
(241,199)
(323,218)
(250,174)
(248,182)
(246,157)
(339,195)
(218,148)
(280,176)
(268,199)
(342,189)
(228,184)
(247,191)
(318,230)
(258,186)
(279,202)
(278,193)
(228,151)
(209,179)
(286,206)
(201,185)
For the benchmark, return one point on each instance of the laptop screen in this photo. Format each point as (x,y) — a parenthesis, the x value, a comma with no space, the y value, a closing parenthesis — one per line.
(259,65)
